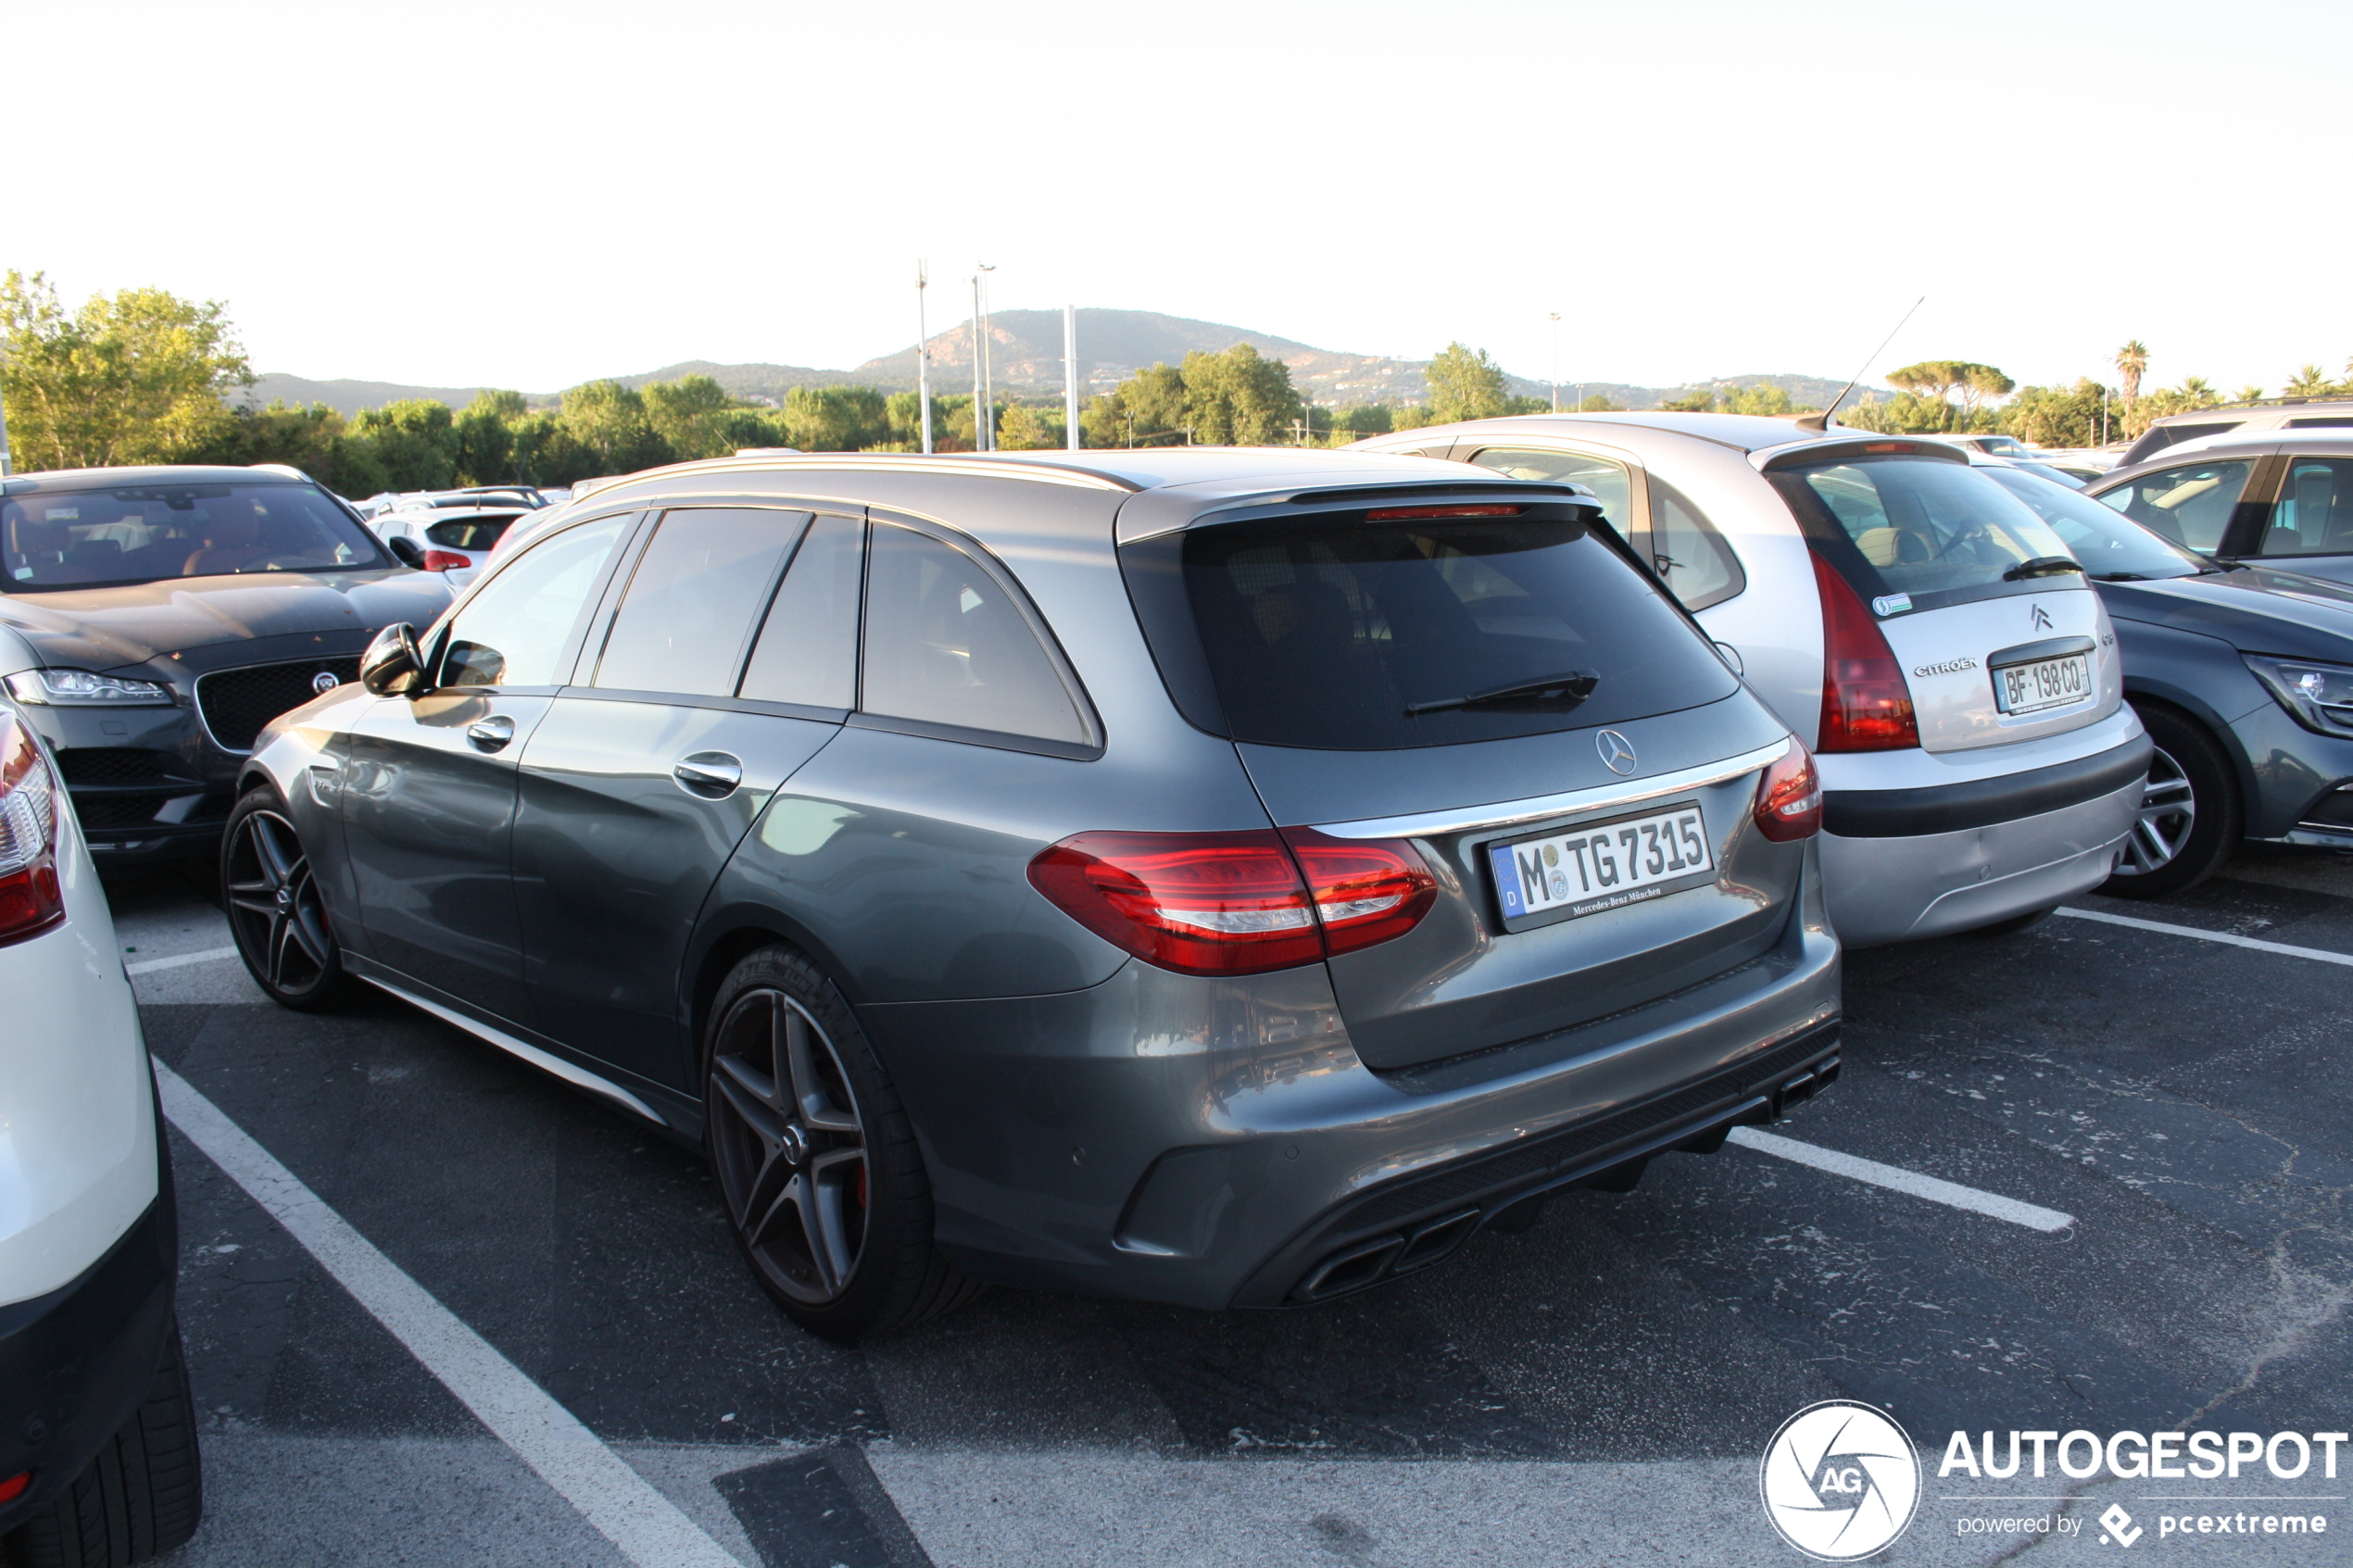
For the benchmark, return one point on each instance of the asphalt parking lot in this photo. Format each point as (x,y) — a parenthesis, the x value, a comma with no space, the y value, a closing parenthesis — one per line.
(1595,1390)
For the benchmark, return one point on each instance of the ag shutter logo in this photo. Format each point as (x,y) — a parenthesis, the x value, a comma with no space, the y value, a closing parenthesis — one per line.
(1840,1480)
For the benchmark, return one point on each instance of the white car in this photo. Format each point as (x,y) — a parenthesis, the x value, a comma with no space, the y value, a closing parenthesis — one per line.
(455,541)
(1914,622)
(98,1460)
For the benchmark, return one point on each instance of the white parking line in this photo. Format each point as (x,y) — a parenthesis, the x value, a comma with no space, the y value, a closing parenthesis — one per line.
(1897,1179)
(2223,937)
(648,1527)
(180,961)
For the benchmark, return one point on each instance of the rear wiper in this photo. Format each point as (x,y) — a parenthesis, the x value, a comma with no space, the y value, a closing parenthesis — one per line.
(1549,691)
(2043,566)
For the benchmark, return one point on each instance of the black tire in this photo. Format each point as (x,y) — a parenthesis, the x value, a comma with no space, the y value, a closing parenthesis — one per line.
(817,1162)
(275,911)
(142,1497)
(2191,817)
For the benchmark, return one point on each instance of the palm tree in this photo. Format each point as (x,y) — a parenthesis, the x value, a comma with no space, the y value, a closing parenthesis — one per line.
(2131,361)
(2310,381)
(2200,392)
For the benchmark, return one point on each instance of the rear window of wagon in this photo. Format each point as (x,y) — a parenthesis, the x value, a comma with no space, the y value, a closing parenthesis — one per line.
(1336,632)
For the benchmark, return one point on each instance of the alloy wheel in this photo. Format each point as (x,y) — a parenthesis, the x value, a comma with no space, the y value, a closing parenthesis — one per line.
(2162,827)
(789,1145)
(275,908)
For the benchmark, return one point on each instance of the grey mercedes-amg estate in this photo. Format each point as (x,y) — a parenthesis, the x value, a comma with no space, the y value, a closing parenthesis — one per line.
(1219,877)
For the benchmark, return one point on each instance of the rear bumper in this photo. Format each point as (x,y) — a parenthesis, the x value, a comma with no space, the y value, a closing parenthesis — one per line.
(75,1363)
(1901,889)
(1216,1143)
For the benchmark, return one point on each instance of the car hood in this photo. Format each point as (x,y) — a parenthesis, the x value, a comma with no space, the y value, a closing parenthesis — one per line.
(107,629)
(2255,609)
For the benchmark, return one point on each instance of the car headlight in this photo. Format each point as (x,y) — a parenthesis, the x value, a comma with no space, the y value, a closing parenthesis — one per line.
(79,688)
(2320,696)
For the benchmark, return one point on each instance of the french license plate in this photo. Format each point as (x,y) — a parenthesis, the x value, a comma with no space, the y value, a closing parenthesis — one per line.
(1602,866)
(2047,682)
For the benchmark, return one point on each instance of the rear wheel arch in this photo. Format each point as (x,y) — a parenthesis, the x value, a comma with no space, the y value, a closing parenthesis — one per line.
(729,937)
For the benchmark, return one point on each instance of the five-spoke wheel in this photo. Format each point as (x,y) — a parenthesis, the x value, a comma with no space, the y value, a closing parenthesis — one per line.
(275,912)
(790,1148)
(816,1157)
(2169,813)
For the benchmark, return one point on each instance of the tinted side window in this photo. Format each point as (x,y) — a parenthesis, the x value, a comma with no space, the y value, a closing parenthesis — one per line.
(807,649)
(1689,555)
(945,645)
(1611,482)
(513,631)
(2314,513)
(2190,506)
(688,612)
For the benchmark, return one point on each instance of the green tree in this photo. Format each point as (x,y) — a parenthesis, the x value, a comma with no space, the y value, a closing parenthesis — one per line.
(1465,385)
(1935,383)
(1146,409)
(1240,398)
(141,377)
(415,440)
(835,418)
(606,422)
(2132,363)
(693,416)
(483,435)
(1364,420)
(1769,399)
(2053,416)
(1700,402)
(1025,429)
(1598,403)
(2248,395)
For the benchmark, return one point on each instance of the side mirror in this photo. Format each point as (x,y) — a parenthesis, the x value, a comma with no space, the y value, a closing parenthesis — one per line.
(392,666)
(406,551)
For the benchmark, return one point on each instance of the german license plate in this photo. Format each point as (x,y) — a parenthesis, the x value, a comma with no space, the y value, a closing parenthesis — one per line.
(1602,866)
(2047,682)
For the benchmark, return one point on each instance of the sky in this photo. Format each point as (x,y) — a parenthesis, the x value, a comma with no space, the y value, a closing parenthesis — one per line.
(522,194)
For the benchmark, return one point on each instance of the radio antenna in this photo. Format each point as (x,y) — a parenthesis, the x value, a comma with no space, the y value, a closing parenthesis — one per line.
(1822,420)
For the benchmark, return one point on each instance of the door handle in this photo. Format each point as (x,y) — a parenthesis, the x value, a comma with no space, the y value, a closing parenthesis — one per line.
(491,733)
(712,774)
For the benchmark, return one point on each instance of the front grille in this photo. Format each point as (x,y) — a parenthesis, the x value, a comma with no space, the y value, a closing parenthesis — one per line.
(236,703)
(116,765)
(126,809)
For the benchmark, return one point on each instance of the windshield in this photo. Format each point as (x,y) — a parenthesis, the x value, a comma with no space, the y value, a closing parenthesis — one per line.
(101,538)
(2111,548)
(1938,532)
(1360,635)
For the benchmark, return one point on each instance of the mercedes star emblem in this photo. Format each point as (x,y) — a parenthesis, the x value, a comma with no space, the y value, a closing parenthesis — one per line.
(1618,752)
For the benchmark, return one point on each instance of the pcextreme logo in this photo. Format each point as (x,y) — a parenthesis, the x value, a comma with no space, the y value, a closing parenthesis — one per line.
(1840,1480)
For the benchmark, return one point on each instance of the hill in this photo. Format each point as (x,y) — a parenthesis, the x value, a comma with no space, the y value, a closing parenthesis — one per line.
(1026,361)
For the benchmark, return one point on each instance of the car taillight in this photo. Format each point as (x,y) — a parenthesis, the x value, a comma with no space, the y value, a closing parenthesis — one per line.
(446,560)
(1234,903)
(1865,705)
(30,899)
(1789,798)
(1366,890)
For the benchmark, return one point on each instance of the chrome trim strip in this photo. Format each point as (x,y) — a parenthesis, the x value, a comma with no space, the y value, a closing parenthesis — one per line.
(1602,797)
(579,1077)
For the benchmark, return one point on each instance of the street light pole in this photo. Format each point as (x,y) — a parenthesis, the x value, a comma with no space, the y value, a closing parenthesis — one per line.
(1556,361)
(923,357)
(1070,377)
(980,442)
(988,369)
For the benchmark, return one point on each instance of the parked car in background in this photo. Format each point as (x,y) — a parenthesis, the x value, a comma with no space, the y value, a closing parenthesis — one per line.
(1224,877)
(525,496)
(173,611)
(455,541)
(1992,446)
(2243,676)
(2273,415)
(2277,498)
(98,1460)
(1925,633)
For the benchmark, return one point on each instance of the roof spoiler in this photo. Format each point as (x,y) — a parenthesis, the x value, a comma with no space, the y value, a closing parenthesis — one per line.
(1773,457)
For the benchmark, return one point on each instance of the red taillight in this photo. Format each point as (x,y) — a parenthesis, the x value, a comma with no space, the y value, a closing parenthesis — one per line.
(13,1487)
(446,560)
(1234,903)
(1366,890)
(1394,514)
(1789,798)
(30,899)
(1865,705)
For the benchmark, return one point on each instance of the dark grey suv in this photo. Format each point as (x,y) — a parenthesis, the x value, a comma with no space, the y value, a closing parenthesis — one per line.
(1218,877)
